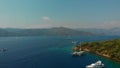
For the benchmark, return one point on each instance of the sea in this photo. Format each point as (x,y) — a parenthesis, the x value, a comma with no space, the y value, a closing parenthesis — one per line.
(49,52)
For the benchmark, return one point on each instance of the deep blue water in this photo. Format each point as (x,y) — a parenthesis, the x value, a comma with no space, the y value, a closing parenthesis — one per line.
(48,52)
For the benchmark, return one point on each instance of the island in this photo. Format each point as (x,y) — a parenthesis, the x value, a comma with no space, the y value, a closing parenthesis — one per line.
(55,31)
(109,48)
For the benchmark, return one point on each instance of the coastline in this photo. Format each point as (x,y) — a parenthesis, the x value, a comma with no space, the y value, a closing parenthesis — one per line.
(109,49)
(103,55)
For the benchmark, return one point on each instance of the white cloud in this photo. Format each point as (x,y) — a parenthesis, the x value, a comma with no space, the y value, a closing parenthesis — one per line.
(46,18)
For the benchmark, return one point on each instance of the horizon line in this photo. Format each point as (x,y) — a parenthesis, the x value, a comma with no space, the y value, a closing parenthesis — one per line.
(54,27)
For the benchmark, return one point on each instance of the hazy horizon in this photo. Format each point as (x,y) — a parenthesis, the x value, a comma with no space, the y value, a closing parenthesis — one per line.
(57,13)
(57,27)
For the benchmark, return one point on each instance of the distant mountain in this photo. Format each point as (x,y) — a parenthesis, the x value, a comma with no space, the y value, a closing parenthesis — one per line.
(114,31)
(58,31)
(95,31)
(102,32)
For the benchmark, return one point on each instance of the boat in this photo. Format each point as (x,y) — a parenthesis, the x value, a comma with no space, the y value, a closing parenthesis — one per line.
(98,64)
(3,50)
(78,53)
(74,42)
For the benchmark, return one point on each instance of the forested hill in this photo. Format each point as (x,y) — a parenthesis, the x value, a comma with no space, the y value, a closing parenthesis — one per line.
(109,48)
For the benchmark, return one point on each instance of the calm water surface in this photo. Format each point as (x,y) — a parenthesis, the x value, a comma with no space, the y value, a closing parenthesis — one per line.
(47,52)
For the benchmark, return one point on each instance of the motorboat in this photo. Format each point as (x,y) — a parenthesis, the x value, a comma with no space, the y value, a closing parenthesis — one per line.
(98,64)
(78,53)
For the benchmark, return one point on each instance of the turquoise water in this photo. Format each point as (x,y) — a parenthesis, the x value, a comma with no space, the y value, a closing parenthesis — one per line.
(48,52)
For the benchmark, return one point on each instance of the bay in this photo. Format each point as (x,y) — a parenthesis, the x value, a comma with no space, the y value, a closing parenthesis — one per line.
(48,52)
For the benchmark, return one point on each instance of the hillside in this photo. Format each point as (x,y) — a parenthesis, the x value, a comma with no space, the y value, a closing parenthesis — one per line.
(109,48)
(58,31)
(102,32)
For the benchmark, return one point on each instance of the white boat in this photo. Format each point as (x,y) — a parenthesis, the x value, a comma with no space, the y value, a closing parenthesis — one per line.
(98,64)
(78,53)
(74,42)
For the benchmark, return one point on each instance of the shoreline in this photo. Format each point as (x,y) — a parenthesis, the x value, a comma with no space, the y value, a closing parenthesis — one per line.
(103,55)
(109,49)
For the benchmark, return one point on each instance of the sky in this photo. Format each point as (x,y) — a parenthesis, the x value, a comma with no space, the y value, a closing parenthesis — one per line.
(57,13)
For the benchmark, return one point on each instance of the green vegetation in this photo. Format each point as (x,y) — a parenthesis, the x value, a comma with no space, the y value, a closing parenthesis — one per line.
(109,48)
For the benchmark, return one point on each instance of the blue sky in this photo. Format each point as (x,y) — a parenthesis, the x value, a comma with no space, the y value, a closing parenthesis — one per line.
(55,13)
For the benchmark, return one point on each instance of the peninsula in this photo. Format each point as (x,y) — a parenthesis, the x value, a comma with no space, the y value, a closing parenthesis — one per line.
(109,48)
